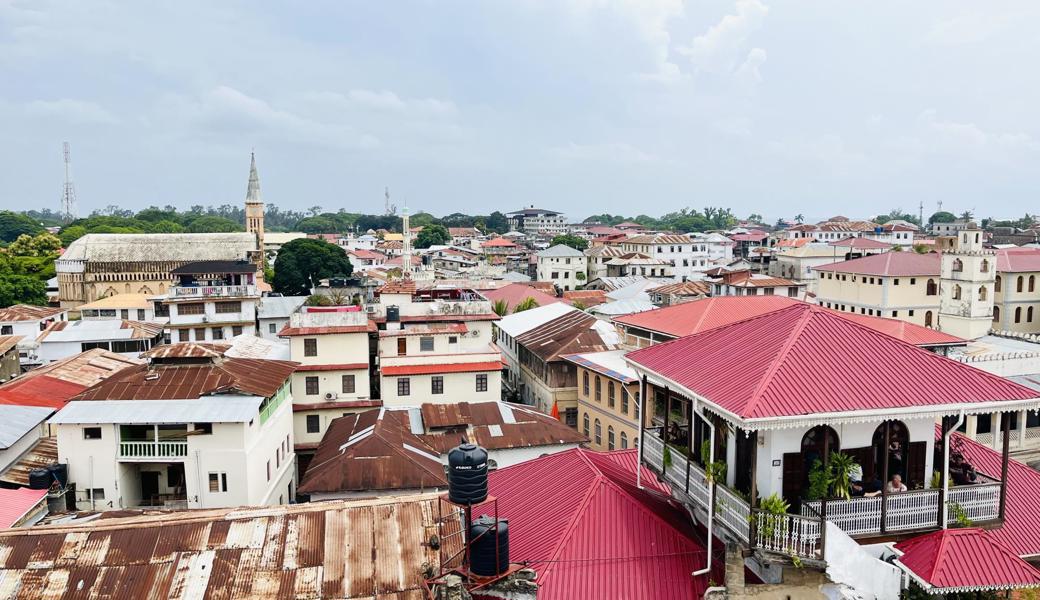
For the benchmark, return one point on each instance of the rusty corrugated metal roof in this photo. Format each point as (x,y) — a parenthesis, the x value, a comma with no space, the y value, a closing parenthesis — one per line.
(331,550)
(570,333)
(42,454)
(185,381)
(188,350)
(27,312)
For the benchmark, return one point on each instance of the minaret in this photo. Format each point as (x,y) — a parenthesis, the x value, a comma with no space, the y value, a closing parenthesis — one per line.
(406,252)
(255,209)
(967,284)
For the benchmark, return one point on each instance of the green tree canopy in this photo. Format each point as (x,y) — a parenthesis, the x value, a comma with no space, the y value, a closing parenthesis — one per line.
(213,224)
(942,217)
(14,224)
(21,289)
(43,244)
(303,262)
(432,235)
(568,239)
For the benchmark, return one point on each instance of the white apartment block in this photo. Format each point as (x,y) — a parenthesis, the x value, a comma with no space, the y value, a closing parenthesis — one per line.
(532,221)
(564,266)
(690,257)
(181,432)
(212,301)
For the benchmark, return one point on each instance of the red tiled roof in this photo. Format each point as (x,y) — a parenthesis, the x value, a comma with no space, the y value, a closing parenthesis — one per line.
(15,504)
(1018,260)
(367,254)
(589,532)
(861,243)
(515,293)
(187,381)
(397,286)
(589,298)
(967,560)
(807,360)
(470,367)
(325,330)
(889,264)
(333,367)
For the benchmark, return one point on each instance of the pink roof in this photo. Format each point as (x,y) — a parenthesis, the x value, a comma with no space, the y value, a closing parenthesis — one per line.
(367,254)
(16,503)
(889,264)
(515,293)
(806,360)
(752,236)
(427,369)
(589,532)
(498,243)
(965,560)
(861,243)
(1018,260)
(708,313)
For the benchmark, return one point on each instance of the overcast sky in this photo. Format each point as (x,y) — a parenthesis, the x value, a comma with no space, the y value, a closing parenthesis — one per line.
(584,106)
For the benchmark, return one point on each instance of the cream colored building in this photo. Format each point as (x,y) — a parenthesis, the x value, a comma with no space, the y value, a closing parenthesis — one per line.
(1016,295)
(608,400)
(564,266)
(332,379)
(966,290)
(897,285)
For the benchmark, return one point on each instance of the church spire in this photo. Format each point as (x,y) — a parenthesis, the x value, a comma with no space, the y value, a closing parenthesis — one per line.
(253,190)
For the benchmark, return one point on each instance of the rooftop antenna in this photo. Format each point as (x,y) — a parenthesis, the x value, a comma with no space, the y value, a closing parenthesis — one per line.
(920,213)
(68,196)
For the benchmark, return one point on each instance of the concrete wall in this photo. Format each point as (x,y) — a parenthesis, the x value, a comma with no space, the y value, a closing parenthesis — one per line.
(566,269)
(850,564)
(622,422)
(882,295)
(458,387)
(1009,298)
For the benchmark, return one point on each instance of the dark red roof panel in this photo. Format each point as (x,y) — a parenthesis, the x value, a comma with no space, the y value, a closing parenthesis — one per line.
(805,359)
(889,264)
(425,369)
(965,560)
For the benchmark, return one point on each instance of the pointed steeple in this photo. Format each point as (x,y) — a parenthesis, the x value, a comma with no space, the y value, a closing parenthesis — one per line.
(253,190)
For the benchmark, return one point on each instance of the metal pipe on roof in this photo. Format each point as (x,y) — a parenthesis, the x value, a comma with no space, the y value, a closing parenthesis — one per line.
(946,469)
(639,450)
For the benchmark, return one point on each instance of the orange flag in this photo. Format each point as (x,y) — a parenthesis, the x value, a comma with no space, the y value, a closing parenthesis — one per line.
(555,411)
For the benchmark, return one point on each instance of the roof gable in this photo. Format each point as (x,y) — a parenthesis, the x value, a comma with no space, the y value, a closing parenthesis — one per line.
(965,559)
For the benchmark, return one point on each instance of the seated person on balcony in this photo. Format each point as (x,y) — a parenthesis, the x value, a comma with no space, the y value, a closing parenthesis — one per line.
(858,487)
(961,472)
(896,485)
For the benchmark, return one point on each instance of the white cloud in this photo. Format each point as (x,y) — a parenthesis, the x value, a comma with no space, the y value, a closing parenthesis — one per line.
(611,152)
(73,111)
(719,49)
(969,137)
(748,73)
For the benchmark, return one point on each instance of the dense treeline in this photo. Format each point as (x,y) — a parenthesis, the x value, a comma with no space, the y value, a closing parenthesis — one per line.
(685,220)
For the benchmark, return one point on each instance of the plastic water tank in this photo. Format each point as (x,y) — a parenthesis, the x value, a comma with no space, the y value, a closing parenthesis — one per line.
(393,313)
(40,479)
(489,546)
(467,474)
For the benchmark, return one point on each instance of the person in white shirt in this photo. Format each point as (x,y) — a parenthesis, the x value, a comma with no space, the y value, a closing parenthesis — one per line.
(896,485)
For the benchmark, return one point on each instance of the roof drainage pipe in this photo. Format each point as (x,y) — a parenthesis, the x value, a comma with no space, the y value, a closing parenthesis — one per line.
(946,470)
(711,488)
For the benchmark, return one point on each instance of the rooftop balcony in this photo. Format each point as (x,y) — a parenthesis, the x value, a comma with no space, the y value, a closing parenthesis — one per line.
(212,291)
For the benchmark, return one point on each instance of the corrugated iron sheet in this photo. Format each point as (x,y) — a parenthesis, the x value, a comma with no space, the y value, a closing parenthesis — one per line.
(341,550)
(184,381)
(44,453)
(571,333)
(965,558)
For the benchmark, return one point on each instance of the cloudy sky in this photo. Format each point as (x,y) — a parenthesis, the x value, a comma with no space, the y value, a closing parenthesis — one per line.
(586,106)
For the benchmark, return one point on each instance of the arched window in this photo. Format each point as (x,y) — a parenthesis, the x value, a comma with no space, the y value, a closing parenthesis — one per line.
(585,424)
(599,388)
(1018,314)
(931,289)
(1029,315)
(818,442)
(957,264)
(956,292)
(1018,284)
(127,288)
(996,284)
(599,433)
(996,314)
(610,437)
(928,318)
(624,400)
(585,383)
(984,267)
(624,441)
(610,394)
(1032,283)
(982,292)
(898,444)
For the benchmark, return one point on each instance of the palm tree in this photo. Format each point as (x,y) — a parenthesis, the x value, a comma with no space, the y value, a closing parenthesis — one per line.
(966,215)
(501,307)
(526,304)
(799,218)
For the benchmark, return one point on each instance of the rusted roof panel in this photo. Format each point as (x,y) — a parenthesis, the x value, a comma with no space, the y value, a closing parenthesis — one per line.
(337,550)
(27,312)
(185,381)
(187,350)
(570,333)
(44,453)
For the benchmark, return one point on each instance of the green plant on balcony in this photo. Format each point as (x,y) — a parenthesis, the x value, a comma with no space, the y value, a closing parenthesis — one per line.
(841,467)
(713,471)
(666,459)
(819,482)
(771,516)
(959,515)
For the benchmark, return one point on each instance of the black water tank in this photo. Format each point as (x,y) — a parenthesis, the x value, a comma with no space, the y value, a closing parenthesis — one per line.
(484,543)
(467,474)
(60,472)
(393,313)
(40,479)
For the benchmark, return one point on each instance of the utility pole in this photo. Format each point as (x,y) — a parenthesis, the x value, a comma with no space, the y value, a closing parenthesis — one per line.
(68,196)
(920,213)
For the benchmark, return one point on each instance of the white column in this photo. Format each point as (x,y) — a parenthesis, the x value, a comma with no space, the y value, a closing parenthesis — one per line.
(971,426)
(1021,428)
(997,429)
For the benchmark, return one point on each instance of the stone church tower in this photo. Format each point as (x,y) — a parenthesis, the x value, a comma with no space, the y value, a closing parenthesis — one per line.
(255,210)
(967,281)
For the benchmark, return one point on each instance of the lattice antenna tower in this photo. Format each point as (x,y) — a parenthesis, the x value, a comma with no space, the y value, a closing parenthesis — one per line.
(389,209)
(68,195)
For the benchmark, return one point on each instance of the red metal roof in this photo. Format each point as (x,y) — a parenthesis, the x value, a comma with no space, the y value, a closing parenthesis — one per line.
(861,243)
(804,360)
(889,264)
(291,331)
(708,313)
(966,560)
(1018,260)
(54,384)
(753,236)
(579,519)
(15,504)
(470,367)
(515,293)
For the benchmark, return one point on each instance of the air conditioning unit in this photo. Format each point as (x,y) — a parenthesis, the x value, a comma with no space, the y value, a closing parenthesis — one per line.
(370,309)
(331,396)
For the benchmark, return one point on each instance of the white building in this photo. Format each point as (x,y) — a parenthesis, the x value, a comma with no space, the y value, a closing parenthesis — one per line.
(66,338)
(273,312)
(689,256)
(28,321)
(128,307)
(534,221)
(517,324)
(332,347)
(562,265)
(186,430)
(212,301)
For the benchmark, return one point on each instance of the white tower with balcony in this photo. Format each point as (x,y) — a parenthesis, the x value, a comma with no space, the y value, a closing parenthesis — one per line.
(967,278)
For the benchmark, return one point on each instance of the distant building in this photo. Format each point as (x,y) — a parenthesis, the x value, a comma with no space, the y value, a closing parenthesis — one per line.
(689,256)
(746,283)
(212,301)
(898,285)
(564,266)
(608,400)
(137,307)
(533,221)
(1016,298)
(273,313)
(67,338)
(28,321)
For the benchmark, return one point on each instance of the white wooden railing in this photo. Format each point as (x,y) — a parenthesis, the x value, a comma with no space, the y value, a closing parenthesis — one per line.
(791,535)
(858,516)
(908,511)
(156,449)
(213,291)
(979,502)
